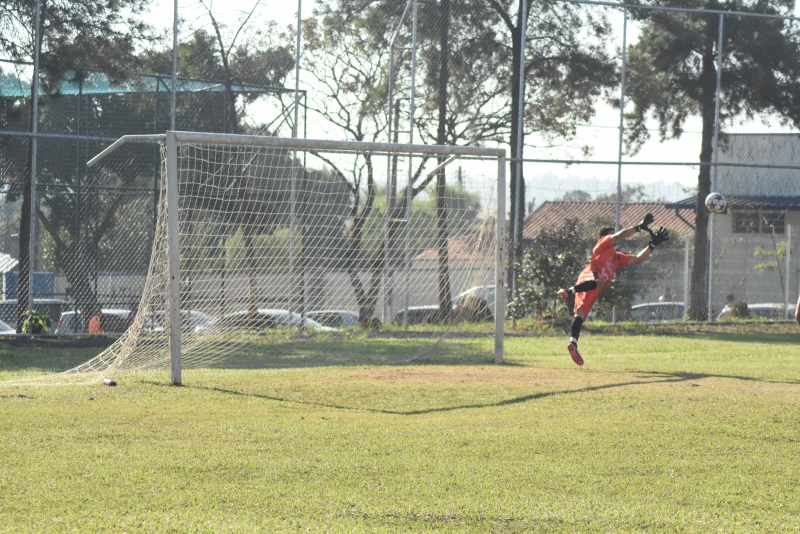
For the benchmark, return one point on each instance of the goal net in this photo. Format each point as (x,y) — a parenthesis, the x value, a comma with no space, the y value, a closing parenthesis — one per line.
(301,252)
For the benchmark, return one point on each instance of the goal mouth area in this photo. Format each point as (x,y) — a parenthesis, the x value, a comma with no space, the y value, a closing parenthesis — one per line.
(308,252)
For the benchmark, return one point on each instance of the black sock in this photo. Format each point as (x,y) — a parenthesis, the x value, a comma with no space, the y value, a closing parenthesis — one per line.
(584,286)
(575,329)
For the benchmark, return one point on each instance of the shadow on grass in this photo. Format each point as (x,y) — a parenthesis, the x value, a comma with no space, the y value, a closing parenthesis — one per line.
(647,378)
(45,359)
(359,352)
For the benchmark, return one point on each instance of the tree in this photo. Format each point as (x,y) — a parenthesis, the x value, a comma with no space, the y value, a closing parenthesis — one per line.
(576,195)
(672,76)
(74,36)
(566,69)
(630,193)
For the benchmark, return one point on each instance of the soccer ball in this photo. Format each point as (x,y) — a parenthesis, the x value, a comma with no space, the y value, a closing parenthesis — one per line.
(716,203)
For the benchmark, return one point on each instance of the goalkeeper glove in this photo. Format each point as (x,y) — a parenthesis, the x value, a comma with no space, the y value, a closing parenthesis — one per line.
(645,223)
(658,237)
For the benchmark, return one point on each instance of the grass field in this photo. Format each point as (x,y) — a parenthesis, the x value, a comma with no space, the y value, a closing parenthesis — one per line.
(691,433)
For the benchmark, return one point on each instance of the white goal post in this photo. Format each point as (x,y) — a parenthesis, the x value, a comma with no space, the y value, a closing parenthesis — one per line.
(177,145)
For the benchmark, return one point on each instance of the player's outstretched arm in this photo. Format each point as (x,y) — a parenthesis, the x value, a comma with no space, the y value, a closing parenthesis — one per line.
(644,224)
(659,236)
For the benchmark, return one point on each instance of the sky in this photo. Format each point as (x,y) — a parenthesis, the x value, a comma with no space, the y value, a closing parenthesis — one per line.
(547,180)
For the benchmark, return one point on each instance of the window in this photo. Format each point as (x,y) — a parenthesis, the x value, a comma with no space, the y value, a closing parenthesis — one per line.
(759,222)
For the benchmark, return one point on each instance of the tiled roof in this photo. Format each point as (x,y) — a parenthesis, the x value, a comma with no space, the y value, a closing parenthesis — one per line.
(553,213)
(746,203)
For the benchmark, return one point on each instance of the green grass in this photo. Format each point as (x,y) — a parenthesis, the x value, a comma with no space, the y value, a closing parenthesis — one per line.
(685,432)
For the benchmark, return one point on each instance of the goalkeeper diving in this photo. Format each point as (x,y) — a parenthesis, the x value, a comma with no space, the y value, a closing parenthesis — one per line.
(606,259)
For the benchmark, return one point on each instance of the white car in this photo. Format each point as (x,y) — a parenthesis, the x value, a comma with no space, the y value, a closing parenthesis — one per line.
(6,330)
(69,323)
(487,293)
(265,319)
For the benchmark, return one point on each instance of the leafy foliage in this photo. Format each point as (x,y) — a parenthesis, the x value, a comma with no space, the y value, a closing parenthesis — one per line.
(740,310)
(35,323)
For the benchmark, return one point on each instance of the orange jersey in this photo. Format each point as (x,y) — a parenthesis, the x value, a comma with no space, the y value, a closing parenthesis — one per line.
(605,261)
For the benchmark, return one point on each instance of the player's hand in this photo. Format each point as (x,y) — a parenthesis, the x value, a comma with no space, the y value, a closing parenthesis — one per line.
(645,223)
(659,236)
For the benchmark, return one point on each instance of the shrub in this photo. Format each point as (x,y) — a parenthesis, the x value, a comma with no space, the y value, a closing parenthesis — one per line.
(740,310)
(35,323)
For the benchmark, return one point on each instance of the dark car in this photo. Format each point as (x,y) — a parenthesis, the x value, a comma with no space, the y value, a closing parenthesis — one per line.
(416,314)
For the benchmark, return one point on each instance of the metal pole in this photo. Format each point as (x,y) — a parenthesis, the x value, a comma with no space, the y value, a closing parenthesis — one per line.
(717,99)
(174,91)
(389,115)
(618,202)
(37,48)
(173,260)
(788,270)
(293,194)
(500,262)
(389,190)
(617,222)
(518,165)
(686,276)
(410,185)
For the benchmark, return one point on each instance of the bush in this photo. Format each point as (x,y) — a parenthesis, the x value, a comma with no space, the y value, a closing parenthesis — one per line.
(740,310)
(35,323)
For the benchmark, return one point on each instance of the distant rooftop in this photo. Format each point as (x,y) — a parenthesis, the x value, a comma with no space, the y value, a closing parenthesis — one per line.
(553,213)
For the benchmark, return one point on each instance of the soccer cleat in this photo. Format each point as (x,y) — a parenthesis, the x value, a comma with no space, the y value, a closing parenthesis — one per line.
(562,293)
(573,351)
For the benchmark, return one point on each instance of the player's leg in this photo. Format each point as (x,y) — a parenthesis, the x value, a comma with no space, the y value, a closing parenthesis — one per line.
(589,284)
(583,305)
(797,311)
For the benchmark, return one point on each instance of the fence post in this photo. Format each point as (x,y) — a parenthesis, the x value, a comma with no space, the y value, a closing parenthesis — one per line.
(520,204)
(686,276)
(712,218)
(34,153)
(788,271)
(410,185)
(293,193)
(174,92)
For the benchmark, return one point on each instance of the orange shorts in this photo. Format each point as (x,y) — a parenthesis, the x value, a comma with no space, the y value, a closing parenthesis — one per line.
(584,301)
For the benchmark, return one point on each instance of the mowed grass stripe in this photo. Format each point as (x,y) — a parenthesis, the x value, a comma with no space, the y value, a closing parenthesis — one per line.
(656,433)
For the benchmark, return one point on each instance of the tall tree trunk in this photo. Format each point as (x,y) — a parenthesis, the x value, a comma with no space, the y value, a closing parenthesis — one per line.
(24,267)
(698,300)
(445,305)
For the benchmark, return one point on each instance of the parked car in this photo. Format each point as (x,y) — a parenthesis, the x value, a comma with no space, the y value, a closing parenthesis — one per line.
(774,311)
(650,312)
(113,321)
(334,318)
(485,292)
(50,307)
(416,314)
(191,321)
(266,319)
(6,330)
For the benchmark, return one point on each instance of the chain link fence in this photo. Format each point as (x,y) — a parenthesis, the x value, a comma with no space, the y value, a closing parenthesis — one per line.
(622,110)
